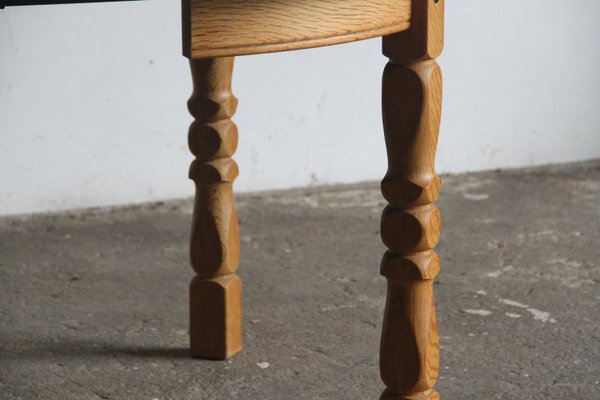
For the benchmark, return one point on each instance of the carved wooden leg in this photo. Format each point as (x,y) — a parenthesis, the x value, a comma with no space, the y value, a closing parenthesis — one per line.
(215,291)
(410,225)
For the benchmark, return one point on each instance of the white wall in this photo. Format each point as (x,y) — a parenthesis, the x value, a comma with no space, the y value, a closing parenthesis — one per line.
(92,101)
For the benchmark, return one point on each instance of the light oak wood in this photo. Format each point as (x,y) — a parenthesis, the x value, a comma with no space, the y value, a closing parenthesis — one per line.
(215,28)
(425,40)
(215,291)
(410,225)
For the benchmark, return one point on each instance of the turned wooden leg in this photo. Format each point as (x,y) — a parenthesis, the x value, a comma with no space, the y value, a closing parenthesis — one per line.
(410,225)
(215,291)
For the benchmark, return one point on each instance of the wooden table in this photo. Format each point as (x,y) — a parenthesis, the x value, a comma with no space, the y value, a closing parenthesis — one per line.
(214,32)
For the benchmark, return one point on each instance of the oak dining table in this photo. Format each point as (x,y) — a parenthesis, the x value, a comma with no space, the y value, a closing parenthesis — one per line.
(214,32)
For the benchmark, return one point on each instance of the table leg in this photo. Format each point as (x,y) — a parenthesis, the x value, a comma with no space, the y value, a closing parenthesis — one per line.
(410,225)
(215,291)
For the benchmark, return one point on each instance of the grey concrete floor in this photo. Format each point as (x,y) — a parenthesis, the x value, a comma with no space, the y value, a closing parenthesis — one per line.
(93,304)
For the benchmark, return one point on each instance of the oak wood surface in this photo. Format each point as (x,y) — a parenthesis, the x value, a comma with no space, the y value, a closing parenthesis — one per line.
(214,28)
(410,225)
(215,291)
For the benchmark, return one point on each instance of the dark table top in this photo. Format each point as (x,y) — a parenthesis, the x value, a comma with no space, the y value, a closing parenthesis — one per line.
(9,3)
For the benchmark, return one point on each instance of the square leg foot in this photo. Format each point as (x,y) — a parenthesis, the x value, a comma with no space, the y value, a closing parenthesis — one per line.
(216,317)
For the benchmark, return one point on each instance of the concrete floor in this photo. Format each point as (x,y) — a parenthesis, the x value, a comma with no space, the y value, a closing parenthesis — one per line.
(93,304)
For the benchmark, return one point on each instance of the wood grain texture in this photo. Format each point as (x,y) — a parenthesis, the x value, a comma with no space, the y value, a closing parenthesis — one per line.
(425,41)
(215,28)
(215,291)
(410,225)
